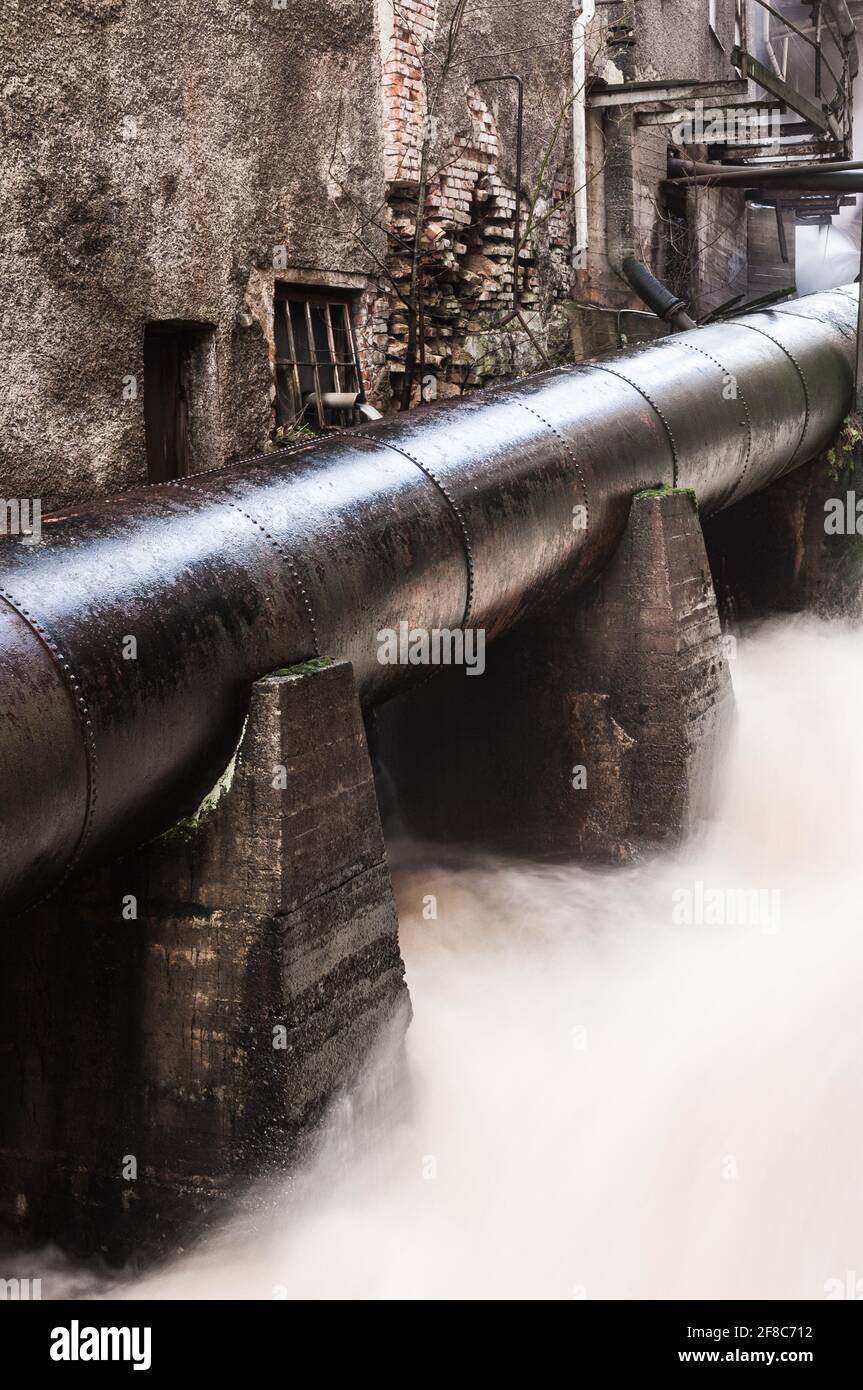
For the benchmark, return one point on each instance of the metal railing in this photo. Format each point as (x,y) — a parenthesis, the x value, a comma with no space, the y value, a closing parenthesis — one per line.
(808,69)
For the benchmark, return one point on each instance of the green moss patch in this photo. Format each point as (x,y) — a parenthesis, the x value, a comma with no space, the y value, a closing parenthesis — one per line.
(302,668)
(666,491)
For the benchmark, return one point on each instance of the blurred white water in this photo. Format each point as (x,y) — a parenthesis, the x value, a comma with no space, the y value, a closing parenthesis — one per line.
(606,1104)
(827,256)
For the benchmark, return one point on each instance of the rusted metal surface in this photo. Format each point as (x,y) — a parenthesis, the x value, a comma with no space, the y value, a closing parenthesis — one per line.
(841,177)
(477,510)
(707,172)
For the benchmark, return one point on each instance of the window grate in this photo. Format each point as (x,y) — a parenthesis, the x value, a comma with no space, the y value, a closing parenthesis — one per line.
(316,356)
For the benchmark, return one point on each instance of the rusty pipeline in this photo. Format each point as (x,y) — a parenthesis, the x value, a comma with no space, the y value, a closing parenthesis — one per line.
(131,632)
(840,177)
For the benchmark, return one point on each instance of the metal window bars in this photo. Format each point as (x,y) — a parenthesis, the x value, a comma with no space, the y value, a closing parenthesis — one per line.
(316,357)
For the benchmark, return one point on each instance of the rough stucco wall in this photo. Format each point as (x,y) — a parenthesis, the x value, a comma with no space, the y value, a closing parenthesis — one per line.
(673,40)
(155,155)
(536,43)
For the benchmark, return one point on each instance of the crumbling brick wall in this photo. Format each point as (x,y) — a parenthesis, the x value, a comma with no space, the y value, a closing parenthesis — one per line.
(469,223)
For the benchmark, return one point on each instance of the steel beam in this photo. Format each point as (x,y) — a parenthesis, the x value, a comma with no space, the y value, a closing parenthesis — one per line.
(646,94)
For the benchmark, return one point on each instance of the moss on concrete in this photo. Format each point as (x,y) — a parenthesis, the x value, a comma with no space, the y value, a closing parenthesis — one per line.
(301,668)
(187,829)
(667,491)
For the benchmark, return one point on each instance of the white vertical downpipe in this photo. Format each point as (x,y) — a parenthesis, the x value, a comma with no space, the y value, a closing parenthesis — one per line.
(583,13)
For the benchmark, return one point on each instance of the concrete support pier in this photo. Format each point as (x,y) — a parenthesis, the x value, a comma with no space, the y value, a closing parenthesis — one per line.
(177,1024)
(594,733)
(797,545)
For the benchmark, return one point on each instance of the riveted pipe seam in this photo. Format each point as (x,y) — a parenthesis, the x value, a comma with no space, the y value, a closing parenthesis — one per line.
(301,590)
(603,367)
(453,504)
(790,355)
(80,708)
(693,347)
(570,455)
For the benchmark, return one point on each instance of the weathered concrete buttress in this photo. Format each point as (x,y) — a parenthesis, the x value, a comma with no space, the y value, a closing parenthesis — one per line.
(177,1024)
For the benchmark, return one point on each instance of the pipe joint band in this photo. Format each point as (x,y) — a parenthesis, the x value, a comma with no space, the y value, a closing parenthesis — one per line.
(567,450)
(675,458)
(82,710)
(680,342)
(799,370)
(277,545)
(454,506)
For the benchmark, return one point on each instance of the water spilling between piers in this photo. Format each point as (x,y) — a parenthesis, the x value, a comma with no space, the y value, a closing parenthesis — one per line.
(627,1084)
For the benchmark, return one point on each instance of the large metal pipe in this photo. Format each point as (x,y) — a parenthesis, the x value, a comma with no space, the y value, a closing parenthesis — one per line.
(687,170)
(822,179)
(130,634)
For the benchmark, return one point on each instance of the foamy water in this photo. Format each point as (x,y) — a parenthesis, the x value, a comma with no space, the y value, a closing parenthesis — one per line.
(606,1101)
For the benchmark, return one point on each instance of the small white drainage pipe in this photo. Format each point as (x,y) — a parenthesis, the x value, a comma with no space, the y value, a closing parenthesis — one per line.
(583,13)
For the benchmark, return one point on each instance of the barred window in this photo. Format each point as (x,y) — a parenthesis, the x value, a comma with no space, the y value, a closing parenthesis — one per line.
(316,358)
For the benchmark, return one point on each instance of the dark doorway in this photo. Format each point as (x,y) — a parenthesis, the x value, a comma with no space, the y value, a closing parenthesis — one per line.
(179,394)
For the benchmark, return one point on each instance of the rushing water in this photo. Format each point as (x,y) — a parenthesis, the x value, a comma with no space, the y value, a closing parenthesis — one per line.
(608,1101)
(827,256)
(830,255)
